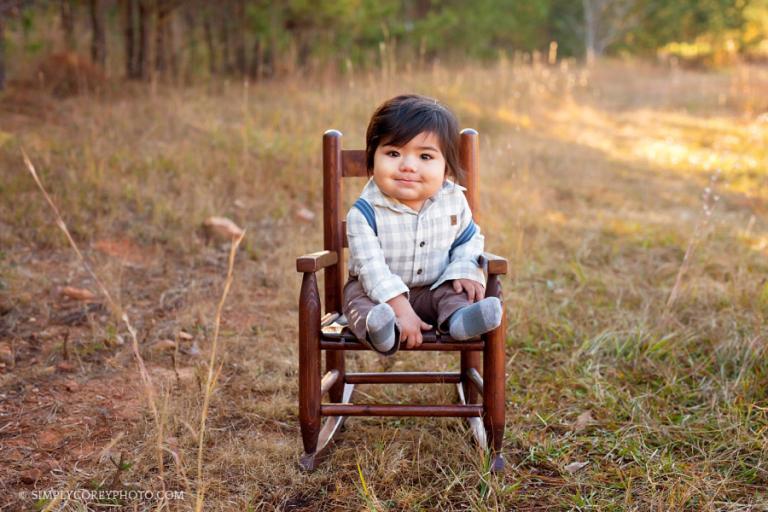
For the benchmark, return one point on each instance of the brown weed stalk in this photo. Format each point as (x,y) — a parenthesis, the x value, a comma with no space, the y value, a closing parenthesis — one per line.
(708,199)
(114,307)
(213,377)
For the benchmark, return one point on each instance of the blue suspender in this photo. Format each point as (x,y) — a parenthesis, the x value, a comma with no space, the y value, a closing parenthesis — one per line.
(464,237)
(367,210)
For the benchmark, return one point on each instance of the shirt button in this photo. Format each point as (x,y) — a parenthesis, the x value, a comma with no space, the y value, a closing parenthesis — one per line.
(418,272)
(422,244)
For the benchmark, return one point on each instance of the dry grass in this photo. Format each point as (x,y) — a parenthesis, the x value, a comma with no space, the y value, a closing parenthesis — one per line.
(592,184)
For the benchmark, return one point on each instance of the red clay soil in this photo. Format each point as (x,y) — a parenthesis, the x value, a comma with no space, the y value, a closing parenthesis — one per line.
(69,387)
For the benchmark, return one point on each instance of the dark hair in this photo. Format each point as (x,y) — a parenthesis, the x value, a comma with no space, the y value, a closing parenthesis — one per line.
(400,119)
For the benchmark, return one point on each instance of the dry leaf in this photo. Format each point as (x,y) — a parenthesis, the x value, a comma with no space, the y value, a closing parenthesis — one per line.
(14,455)
(48,439)
(575,466)
(6,354)
(48,370)
(221,228)
(584,420)
(184,336)
(125,250)
(163,345)
(30,476)
(66,367)
(305,214)
(71,386)
(77,293)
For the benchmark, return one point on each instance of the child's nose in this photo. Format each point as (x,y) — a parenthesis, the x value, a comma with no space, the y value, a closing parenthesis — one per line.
(408,164)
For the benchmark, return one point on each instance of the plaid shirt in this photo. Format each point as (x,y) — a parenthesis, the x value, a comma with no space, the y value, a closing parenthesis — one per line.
(412,248)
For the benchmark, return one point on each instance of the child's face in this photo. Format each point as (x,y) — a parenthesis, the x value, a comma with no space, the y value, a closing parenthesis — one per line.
(412,173)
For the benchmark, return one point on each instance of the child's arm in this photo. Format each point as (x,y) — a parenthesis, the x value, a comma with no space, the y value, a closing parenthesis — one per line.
(475,291)
(408,321)
(380,284)
(463,268)
(366,261)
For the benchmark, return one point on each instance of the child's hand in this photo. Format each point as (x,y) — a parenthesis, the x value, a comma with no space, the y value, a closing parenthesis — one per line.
(475,291)
(408,321)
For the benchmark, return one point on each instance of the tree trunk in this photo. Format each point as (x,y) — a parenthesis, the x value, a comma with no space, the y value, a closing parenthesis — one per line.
(98,41)
(209,43)
(590,29)
(171,44)
(240,52)
(68,24)
(129,38)
(2,52)
(189,60)
(225,40)
(165,56)
(161,42)
(605,22)
(257,57)
(145,19)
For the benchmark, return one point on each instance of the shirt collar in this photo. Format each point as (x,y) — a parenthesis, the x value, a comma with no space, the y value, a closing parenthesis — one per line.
(373,194)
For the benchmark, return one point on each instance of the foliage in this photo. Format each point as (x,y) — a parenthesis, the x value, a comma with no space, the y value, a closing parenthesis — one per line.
(661,22)
(262,38)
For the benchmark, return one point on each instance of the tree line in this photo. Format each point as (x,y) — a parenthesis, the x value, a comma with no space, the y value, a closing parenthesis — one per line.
(141,39)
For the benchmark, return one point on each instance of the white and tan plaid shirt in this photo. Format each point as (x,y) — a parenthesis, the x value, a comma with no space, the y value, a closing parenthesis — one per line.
(409,248)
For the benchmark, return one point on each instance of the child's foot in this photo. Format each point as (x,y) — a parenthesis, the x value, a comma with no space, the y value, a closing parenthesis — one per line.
(472,321)
(382,332)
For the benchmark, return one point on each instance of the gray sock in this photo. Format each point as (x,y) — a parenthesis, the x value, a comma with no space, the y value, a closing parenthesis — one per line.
(380,324)
(472,321)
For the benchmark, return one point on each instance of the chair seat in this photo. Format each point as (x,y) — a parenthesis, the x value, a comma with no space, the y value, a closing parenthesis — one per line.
(325,399)
(338,337)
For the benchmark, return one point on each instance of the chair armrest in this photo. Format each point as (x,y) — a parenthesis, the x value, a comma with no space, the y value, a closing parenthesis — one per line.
(316,261)
(495,265)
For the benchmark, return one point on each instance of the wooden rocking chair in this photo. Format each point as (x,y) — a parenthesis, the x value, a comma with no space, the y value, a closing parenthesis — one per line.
(316,333)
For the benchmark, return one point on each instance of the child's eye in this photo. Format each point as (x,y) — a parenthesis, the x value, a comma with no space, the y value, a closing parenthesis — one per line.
(393,153)
(425,156)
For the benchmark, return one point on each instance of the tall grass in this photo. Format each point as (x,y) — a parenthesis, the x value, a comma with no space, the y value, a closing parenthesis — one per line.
(591,183)
(213,371)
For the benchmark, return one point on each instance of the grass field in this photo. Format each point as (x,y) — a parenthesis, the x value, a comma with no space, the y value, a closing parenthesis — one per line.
(631,201)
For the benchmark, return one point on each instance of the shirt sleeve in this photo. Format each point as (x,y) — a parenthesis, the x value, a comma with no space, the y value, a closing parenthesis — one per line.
(367,262)
(463,262)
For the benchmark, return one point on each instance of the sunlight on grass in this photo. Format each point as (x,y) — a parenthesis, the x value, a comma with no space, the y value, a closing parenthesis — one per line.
(674,142)
(591,184)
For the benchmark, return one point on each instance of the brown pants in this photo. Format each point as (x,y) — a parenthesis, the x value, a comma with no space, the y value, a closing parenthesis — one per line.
(433,306)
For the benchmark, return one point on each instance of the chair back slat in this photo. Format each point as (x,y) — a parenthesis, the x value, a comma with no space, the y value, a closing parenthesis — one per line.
(351,164)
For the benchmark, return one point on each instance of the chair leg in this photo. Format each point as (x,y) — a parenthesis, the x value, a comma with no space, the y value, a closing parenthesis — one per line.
(309,367)
(494,384)
(469,359)
(334,360)
(331,428)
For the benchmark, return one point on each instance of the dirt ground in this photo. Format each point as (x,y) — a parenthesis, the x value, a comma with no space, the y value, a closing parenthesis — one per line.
(71,399)
(596,184)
